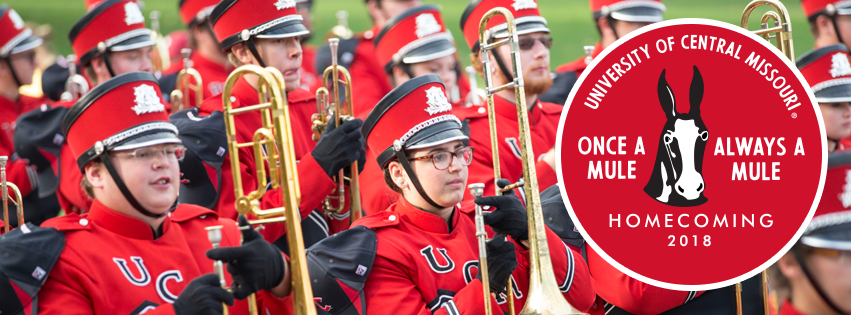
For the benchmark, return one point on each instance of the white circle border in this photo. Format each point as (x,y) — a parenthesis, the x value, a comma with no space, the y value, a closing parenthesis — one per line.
(609,259)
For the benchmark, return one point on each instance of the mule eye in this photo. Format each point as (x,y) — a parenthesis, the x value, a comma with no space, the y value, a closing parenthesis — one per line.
(668,138)
(704,135)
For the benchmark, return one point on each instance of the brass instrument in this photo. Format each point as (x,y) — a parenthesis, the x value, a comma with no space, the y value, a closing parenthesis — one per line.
(589,52)
(477,190)
(160,56)
(273,145)
(544,296)
(341,30)
(329,104)
(781,32)
(76,85)
(184,87)
(6,187)
(476,95)
(214,234)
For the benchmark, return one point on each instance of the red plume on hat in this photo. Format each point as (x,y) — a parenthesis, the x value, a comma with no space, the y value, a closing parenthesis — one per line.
(236,21)
(417,35)
(828,71)
(112,25)
(526,15)
(15,37)
(629,10)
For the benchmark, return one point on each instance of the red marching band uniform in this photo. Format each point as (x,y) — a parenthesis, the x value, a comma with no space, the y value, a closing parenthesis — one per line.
(134,269)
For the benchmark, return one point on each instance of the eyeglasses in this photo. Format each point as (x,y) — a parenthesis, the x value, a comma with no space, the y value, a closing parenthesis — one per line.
(30,56)
(148,154)
(842,256)
(526,43)
(442,160)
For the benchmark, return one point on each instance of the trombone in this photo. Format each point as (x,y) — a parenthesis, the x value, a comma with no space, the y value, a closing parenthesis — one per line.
(329,104)
(161,58)
(544,296)
(76,85)
(272,145)
(184,87)
(6,187)
(781,32)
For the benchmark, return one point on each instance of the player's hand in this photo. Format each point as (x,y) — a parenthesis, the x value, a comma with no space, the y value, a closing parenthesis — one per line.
(340,146)
(203,295)
(501,263)
(256,265)
(509,218)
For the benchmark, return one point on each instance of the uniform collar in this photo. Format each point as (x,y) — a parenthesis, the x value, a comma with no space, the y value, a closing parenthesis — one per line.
(14,105)
(788,309)
(425,220)
(508,109)
(199,61)
(123,225)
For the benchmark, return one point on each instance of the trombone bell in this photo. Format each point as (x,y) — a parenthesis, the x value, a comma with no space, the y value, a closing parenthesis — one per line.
(781,30)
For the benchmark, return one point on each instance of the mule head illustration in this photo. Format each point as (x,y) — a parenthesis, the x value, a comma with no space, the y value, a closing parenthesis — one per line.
(677,178)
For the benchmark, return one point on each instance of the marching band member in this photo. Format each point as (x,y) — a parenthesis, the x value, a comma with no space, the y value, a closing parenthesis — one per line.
(412,44)
(828,70)
(613,19)
(267,34)
(534,43)
(816,273)
(418,144)
(310,79)
(147,259)
(17,65)
(207,57)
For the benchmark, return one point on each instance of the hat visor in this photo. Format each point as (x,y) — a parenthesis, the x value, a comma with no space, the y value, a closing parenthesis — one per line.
(147,140)
(638,14)
(834,94)
(845,10)
(286,29)
(134,43)
(28,43)
(434,135)
(834,237)
(523,28)
(430,51)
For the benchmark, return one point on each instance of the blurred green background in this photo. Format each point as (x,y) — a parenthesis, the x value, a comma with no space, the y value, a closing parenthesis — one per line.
(569,20)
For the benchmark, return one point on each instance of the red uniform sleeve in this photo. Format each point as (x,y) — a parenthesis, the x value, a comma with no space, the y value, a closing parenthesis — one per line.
(571,273)
(630,294)
(546,175)
(388,283)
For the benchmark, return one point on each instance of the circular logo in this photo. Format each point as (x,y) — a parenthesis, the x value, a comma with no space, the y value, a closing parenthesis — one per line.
(692,154)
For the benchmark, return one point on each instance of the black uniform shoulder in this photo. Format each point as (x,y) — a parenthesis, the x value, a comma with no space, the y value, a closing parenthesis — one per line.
(29,253)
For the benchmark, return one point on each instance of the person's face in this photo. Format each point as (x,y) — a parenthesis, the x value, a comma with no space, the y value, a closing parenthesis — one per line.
(131,60)
(833,271)
(445,187)
(443,67)
(837,119)
(24,64)
(303,9)
(535,62)
(843,24)
(151,176)
(283,54)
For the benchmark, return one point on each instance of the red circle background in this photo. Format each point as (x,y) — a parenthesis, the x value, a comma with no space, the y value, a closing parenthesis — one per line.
(737,102)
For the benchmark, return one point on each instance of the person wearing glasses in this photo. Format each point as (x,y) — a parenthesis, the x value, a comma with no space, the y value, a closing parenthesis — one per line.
(427,252)
(17,64)
(534,42)
(613,19)
(814,277)
(136,250)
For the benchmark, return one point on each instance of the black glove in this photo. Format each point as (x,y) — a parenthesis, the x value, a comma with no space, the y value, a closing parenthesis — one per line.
(501,263)
(202,296)
(509,218)
(339,147)
(256,265)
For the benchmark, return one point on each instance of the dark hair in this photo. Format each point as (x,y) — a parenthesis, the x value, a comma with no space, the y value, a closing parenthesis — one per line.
(389,179)
(87,187)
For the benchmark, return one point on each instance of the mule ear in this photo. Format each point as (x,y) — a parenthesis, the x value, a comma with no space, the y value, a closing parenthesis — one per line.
(666,97)
(695,96)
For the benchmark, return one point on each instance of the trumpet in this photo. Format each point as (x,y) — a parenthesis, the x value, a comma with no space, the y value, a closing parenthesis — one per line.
(76,85)
(781,32)
(184,86)
(329,104)
(272,145)
(477,190)
(214,234)
(160,56)
(544,296)
(6,187)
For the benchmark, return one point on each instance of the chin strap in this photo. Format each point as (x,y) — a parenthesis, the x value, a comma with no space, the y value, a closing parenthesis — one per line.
(253,49)
(108,64)
(104,158)
(611,23)
(508,75)
(799,256)
(12,69)
(400,154)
